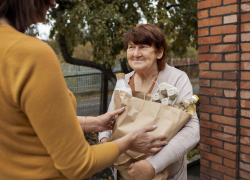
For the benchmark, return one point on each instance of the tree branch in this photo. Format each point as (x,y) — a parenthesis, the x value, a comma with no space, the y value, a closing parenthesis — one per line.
(171,6)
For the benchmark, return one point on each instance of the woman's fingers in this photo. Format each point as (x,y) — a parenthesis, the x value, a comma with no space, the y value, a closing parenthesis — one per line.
(115,112)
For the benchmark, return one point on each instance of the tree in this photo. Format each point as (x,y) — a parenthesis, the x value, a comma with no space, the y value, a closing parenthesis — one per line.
(103,23)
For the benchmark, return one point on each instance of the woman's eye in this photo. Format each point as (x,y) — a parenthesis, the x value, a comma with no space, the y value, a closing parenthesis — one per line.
(144,46)
(130,47)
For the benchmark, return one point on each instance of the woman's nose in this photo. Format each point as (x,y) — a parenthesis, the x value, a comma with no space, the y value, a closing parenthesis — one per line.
(137,52)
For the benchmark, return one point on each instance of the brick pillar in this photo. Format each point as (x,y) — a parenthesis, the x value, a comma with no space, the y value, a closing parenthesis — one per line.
(224,64)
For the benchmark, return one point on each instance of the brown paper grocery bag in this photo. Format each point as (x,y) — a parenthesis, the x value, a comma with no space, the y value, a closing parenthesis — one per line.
(140,112)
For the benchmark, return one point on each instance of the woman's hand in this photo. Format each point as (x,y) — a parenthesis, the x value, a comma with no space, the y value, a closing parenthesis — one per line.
(99,123)
(141,170)
(104,140)
(139,141)
(106,121)
(145,143)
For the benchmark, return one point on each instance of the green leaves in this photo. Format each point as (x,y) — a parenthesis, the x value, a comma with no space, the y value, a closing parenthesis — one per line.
(103,23)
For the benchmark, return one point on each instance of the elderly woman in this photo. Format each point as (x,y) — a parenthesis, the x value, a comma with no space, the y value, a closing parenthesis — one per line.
(146,53)
(40,135)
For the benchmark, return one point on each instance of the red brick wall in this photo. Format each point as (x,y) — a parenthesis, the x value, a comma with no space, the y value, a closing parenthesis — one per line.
(224,64)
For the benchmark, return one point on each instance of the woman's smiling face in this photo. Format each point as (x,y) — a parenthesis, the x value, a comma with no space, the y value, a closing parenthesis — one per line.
(143,57)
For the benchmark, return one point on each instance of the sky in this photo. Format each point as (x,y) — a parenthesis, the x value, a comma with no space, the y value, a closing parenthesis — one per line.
(43,31)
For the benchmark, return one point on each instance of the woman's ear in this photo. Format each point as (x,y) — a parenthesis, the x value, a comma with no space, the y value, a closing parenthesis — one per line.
(159,53)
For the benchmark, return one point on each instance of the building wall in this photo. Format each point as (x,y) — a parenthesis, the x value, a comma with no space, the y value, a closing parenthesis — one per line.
(224,70)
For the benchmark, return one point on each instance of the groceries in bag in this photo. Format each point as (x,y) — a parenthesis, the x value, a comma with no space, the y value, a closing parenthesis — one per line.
(121,84)
(165,94)
(189,105)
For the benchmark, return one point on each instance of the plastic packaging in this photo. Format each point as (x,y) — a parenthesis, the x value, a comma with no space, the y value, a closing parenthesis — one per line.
(121,84)
(189,105)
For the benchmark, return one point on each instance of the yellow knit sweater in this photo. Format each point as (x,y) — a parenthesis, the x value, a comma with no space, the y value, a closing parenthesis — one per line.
(40,137)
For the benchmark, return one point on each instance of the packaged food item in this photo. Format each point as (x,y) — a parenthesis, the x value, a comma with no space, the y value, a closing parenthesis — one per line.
(121,84)
(189,105)
(167,94)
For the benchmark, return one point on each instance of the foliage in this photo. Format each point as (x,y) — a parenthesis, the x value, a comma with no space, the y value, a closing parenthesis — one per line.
(103,23)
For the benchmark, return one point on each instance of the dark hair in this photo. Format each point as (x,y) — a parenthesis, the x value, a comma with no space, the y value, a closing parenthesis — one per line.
(148,34)
(22,13)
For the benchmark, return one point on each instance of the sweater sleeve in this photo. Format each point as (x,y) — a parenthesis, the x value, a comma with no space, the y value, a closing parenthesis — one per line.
(185,139)
(38,88)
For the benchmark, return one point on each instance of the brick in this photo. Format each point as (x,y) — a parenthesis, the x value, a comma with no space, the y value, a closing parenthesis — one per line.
(245,17)
(231,38)
(244,140)
(230,112)
(244,174)
(245,27)
(210,22)
(211,91)
(213,173)
(245,75)
(225,66)
(208,4)
(213,142)
(204,100)
(202,14)
(224,48)
(230,130)
(245,104)
(211,125)
(204,82)
(231,75)
(224,102)
(245,122)
(245,149)
(230,93)
(226,29)
(210,57)
(204,162)
(245,158)
(230,163)
(245,94)
(245,113)
(227,177)
(229,1)
(223,169)
(210,75)
(245,7)
(204,116)
(245,85)
(245,131)
(210,109)
(245,37)
(204,177)
(230,19)
(230,147)
(224,153)
(224,84)
(245,1)
(224,137)
(224,120)
(203,49)
(205,147)
(230,9)
(204,66)
(245,166)
(204,132)
(232,57)
(245,65)
(245,56)
(210,40)
(245,46)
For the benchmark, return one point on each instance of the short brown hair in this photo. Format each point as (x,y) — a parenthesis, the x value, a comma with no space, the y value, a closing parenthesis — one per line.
(22,13)
(148,34)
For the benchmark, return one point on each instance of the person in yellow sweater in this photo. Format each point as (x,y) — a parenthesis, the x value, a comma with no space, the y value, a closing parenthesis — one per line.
(40,135)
